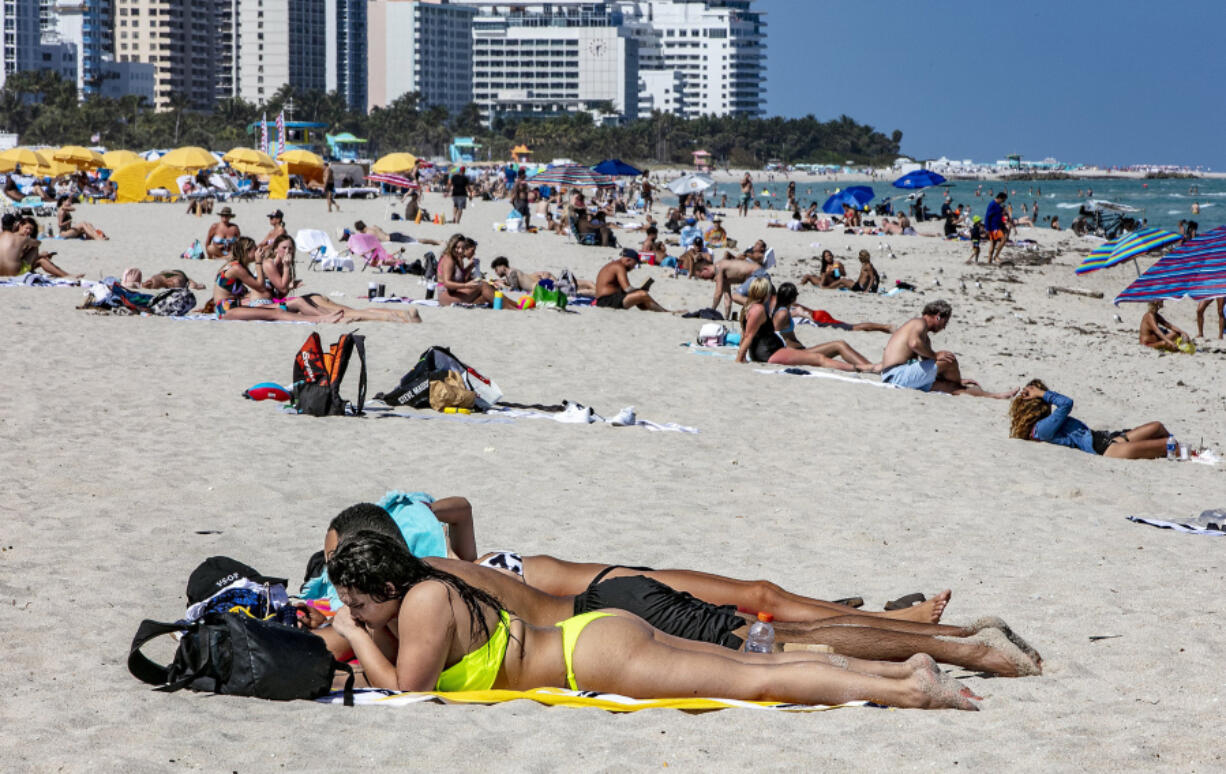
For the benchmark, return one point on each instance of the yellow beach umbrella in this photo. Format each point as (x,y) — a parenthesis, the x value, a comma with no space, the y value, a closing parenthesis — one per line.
(393,163)
(118,158)
(53,168)
(301,158)
(79,156)
(250,161)
(23,157)
(189,159)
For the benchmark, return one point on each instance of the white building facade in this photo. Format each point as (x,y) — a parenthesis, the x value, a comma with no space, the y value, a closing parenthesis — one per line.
(280,42)
(423,47)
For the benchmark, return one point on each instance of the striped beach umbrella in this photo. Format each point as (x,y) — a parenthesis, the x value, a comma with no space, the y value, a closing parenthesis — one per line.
(1196,269)
(1128,246)
(398,181)
(573,176)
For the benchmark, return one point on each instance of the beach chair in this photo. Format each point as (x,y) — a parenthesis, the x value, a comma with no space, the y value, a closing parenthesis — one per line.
(321,252)
(372,252)
(35,205)
(768,260)
(583,239)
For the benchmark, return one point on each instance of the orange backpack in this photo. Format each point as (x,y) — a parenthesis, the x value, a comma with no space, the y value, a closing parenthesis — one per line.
(318,374)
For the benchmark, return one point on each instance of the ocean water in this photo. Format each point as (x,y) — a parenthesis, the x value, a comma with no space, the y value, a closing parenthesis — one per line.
(1164,202)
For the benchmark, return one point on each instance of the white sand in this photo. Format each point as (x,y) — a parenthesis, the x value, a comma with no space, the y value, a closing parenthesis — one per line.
(124,437)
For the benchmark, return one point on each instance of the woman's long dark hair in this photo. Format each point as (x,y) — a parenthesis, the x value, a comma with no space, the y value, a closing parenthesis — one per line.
(368,561)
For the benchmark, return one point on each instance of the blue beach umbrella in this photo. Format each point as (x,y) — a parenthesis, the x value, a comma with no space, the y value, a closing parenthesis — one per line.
(1125,247)
(920,178)
(616,168)
(855,196)
(1196,269)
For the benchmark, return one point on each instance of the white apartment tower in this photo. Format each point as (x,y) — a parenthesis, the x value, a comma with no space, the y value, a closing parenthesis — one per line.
(280,42)
(423,47)
(715,47)
(547,58)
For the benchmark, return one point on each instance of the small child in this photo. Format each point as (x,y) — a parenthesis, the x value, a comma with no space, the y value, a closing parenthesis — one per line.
(978,232)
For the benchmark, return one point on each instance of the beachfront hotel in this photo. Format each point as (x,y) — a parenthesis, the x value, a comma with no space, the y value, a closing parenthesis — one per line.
(423,47)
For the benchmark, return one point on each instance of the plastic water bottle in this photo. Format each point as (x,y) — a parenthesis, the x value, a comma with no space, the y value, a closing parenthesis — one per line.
(498,299)
(761,637)
(1171,448)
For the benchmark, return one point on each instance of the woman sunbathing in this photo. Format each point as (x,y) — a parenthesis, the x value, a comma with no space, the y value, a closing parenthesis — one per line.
(416,628)
(455,275)
(1038,414)
(786,297)
(64,210)
(764,337)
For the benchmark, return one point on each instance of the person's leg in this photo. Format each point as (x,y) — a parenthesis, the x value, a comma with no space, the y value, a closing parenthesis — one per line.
(45,265)
(1148,432)
(625,656)
(1137,450)
(72,233)
(841,349)
(91,231)
(810,279)
(805,357)
(721,289)
(643,300)
(872,326)
(276,313)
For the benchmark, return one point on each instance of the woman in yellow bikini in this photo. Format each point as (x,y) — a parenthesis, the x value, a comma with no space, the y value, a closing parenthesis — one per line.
(417,628)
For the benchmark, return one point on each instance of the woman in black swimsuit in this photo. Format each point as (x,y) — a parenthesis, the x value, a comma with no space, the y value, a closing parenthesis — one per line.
(762,342)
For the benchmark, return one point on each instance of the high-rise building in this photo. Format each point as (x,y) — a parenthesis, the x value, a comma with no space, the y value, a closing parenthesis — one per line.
(181,39)
(280,42)
(548,58)
(423,47)
(346,52)
(716,46)
(89,25)
(19,19)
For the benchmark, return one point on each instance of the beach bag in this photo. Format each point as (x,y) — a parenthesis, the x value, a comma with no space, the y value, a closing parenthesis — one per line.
(195,252)
(545,294)
(448,390)
(318,375)
(237,655)
(712,335)
(175,302)
(414,387)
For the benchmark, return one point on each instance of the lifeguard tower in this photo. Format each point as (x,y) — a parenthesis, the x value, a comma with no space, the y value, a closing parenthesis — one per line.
(520,154)
(463,150)
(702,161)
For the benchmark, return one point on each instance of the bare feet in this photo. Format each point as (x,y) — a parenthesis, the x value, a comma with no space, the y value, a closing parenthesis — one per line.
(1002,657)
(935,691)
(869,368)
(992,622)
(929,611)
(335,317)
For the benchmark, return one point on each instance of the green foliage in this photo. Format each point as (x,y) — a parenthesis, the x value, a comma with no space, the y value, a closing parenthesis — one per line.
(42,108)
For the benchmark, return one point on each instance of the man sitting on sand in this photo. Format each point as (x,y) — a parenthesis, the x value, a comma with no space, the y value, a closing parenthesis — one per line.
(909,360)
(221,236)
(988,644)
(1159,333)
(19,250)
(735,271)
(613,290)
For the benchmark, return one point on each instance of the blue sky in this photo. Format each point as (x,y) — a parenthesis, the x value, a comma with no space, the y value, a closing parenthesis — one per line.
(1094,81)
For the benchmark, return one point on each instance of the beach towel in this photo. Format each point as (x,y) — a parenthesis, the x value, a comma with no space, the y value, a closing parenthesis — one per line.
(1189,529)
(827,375)
(507,416)
(561,697)
(35,280)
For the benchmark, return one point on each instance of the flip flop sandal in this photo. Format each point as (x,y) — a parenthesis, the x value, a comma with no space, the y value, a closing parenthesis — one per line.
(850,601)
(902,603)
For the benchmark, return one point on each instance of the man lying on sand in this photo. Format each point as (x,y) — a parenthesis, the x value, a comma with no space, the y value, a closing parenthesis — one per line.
(613,289)
(19,252)
(909,360)
(573,589)
(524,281)
(733,272)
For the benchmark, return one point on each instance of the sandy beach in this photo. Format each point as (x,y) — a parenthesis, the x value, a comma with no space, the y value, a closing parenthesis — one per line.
(131,456)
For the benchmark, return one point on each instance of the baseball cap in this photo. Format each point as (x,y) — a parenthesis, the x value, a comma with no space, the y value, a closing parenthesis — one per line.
(277,214)
(217,572)
(629,253)
(690,221)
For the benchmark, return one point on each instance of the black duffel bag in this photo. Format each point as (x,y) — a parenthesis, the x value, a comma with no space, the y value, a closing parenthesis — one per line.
(234,654)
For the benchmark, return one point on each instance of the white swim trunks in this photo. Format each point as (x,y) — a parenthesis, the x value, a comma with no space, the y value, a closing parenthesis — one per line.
(913,375)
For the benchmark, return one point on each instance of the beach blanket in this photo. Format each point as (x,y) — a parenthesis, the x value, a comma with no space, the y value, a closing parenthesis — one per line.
(1189,529)
(561,697)
(35,280)
(214,318)
(507,416)
(655,427)
(827,375)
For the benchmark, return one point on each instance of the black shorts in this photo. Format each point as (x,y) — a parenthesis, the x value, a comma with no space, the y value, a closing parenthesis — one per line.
(671,611)
(613,300)
(1101,439)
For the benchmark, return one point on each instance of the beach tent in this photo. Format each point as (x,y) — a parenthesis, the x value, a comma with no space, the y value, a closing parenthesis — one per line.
(920,178)
(278,182)
(394,163)
(616,168)
(129,181)
(1128,246)
(574,176)
(854,196)
(189,159)
(249,161)
(1196,269)
(163,176)
(118,158)
(300,162)
(691,183)
(79,157)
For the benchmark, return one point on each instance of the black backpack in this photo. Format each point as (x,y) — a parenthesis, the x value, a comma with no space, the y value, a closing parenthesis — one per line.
(318,375)
(234,654)
(414,387)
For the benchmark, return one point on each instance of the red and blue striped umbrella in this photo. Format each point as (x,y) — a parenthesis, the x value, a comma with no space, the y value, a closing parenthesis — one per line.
(1128,246)
(574,176)
(1196,269)
(399,181)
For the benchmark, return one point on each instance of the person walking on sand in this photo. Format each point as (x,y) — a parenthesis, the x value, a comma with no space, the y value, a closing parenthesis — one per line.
(994,219)
(330,187)
(459,190)
(746,195)
(910,361)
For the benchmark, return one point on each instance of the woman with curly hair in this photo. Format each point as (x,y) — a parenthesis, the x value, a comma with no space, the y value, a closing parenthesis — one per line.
(1039,414)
